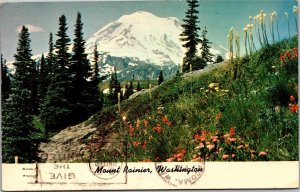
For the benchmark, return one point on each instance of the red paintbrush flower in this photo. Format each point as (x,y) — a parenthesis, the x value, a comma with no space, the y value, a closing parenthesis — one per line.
(232,131)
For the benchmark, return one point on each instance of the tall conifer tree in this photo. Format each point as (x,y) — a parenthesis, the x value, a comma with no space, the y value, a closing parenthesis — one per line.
(96,96)
(56,108)
(206,55)
(50,59)
(138,87)
(80,70)
(5,79)
(95,76)
(43,79)
(190,36)
(160,77)
(113,88)
(17,129)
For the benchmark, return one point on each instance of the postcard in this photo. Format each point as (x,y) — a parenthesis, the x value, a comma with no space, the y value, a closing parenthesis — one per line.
(137,95)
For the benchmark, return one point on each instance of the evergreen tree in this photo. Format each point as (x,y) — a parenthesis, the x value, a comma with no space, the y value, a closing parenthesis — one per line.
(34,87)
(62,46)
(190,35)
(96,77)
(50,59)
(138,88)
(18,132)
(198,63)
(219,59)
(5,79)
(160,77)
(80,70)
(46,70)
(43,79)
(56,108)
(206,55)
(130,88)
(113,88)
(96,96)
(148,83)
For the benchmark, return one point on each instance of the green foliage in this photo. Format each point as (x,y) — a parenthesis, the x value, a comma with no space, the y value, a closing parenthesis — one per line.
(38,124)
(95,98)
(43,82)
(79,67)
(62,43)
(5,80)
(56,107)
(219,59)
(198,63)
(50,59)
(160,78)
(206,55)
(190,35)
(95,76)
(114,88)
(138,87)
(129,89)
(260,103)
(148,139)
(85,98)
(17,128)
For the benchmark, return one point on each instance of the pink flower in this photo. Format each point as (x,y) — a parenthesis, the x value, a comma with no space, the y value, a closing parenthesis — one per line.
(210,147)
(225,157)
(138,124)
(170,159)
(131,129)
(136,143)
(201,145)
(145,160)
(196,137)
(232,139)
(146,123)
(262,153)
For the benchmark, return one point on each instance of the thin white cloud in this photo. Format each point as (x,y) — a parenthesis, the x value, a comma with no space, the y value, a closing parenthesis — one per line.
(32,28)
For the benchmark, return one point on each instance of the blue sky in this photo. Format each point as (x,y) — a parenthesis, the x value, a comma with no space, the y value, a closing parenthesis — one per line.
(217,15)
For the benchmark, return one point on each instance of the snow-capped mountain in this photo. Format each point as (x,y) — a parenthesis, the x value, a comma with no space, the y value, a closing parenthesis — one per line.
(140,44)
(139,41)
(142,36)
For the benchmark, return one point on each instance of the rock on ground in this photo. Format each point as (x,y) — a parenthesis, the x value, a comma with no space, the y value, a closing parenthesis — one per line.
(68,145)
